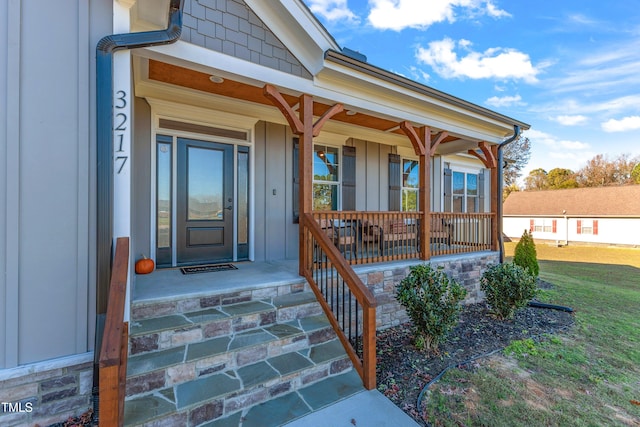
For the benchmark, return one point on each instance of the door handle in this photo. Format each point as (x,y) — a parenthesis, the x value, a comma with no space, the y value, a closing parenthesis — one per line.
(229,208)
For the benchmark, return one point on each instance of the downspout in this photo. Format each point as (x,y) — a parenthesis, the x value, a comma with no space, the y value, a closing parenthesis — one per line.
(516,134)
(104,142)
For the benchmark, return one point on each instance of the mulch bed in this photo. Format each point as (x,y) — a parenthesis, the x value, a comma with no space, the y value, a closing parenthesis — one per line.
(403,370)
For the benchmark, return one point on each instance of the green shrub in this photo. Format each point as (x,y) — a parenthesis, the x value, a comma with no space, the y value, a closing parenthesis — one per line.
(508,287)
(432,301)
(525,254)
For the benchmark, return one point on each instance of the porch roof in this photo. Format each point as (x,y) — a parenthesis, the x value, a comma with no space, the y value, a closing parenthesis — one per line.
(374,99)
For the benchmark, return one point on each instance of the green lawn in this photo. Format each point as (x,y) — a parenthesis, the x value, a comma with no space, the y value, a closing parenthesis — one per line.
(589,376)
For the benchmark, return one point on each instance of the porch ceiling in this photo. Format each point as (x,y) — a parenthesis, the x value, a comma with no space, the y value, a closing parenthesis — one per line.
(184,77)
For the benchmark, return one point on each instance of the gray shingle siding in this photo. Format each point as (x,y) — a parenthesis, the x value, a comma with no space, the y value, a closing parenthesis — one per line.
(231,27)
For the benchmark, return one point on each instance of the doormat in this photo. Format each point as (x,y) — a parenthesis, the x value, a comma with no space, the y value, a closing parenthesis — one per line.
(207,268)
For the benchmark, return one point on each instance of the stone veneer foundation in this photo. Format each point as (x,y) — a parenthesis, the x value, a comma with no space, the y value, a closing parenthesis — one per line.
(382,281)
(46,392)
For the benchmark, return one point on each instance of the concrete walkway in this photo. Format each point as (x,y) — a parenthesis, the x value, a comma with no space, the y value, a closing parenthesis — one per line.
(364,409)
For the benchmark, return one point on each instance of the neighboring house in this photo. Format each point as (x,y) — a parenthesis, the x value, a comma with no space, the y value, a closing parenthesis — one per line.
(222,145)
(600,215)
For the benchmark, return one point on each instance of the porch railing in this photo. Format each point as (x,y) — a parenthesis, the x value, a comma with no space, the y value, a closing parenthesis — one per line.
(365,237)
(348,303)
(469,232)
(114,348)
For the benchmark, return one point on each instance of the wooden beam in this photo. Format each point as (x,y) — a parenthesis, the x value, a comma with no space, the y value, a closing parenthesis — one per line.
(273,95)
(416,140)
(436,141)
(317,126)
(487,157)
(302,125)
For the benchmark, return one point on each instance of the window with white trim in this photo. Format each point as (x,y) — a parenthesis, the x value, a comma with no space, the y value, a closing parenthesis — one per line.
(587,226)
(410,185)
(464,192)
(545,225)
(326,178)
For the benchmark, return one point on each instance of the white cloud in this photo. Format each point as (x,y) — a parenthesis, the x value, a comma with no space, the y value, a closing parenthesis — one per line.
(570,120)
(553,142)
(505,101)
(400,14)
(622,125)
(333,10)
(494,12)
(498,63)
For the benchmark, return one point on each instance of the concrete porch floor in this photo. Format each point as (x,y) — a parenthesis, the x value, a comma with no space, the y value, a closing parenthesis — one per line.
(169,283)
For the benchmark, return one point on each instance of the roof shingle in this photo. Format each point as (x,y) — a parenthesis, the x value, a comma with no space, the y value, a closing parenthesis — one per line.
(593,201)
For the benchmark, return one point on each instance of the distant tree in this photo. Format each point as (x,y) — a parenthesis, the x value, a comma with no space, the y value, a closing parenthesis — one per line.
(635,174)
(508,190)
(559,178)
(516,156)
(600,171)
(537,180)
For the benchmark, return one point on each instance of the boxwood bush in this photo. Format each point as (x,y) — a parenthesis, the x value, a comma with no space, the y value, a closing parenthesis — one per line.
(432,300)
(508,287)
(525,254)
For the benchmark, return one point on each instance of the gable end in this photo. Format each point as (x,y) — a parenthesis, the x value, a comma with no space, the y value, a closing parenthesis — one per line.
(232,28)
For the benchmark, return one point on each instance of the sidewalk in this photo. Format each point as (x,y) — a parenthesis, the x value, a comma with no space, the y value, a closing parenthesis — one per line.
(364,409)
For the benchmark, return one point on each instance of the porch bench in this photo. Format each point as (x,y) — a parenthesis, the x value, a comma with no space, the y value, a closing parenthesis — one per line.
(441,231)
(384,232)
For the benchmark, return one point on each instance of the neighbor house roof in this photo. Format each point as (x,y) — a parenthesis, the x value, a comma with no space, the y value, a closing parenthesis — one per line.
(596,201)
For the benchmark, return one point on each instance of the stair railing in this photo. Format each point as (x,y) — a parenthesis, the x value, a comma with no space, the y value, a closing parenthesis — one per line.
(114,349)
(348,303)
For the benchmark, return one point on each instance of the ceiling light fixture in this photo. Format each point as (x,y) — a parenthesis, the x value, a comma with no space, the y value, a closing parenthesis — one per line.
(351,113)
(216,79)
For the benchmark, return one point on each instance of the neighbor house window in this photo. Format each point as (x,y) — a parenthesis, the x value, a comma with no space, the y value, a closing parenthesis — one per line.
(410,185)
(544,225)
(587,226)
(326,178)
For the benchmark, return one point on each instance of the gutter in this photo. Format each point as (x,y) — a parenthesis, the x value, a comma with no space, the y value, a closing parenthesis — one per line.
(105,49)
(516,134)
(387,76)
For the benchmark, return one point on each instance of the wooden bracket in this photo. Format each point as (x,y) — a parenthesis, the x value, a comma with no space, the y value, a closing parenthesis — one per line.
(296,123)
(421,139)
(488,156)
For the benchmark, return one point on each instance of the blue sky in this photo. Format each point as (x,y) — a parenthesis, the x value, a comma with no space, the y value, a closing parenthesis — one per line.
(571,69)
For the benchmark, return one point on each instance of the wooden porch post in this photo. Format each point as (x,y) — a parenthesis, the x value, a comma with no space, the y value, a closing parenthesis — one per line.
(425,148)
(489,157)
(303,126)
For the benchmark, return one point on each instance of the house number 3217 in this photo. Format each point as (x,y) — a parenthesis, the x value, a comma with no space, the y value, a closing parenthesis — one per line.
(119,127)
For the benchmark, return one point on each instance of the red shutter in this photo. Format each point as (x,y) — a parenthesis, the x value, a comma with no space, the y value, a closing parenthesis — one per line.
(579,227)
(595,227)
(531,224)
(554,225)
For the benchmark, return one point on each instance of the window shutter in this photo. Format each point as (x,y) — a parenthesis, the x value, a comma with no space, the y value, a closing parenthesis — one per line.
(348,178)
(481,191)
(395,177)
(531,225)
(447,190)
(595,227)
(296,182)
(554,225)
(579,227)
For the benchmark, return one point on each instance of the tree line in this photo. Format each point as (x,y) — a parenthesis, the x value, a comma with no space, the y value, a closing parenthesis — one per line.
(600,171)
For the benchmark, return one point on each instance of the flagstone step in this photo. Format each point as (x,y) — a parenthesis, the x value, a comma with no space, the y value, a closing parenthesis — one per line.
(214,365)
(261,405)
(155,370)
(176,330)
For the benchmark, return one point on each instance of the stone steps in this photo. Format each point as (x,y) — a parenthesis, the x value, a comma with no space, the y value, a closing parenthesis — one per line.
(220,364)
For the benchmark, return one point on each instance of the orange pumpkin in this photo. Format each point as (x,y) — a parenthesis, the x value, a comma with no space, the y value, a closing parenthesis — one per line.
(145,265)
